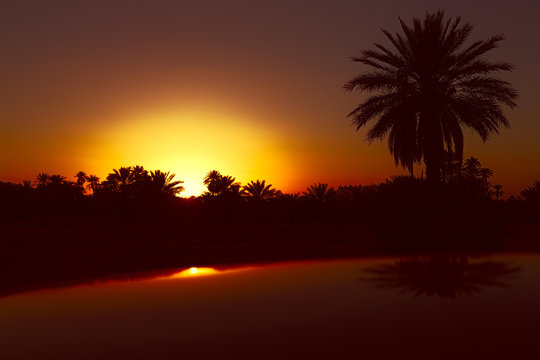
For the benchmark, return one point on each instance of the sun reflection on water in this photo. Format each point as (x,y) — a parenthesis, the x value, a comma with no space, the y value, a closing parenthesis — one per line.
(194,271)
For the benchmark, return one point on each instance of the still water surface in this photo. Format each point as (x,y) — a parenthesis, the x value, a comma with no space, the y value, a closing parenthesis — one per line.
(423,307)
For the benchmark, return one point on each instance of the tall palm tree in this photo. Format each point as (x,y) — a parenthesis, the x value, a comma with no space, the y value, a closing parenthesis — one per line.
(428,86)
(258,190)
(162,182)
(319,192)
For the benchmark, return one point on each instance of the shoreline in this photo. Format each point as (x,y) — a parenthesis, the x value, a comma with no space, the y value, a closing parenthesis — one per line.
(59,251)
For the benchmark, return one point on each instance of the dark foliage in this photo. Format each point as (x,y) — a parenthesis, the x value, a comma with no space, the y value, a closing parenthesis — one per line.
(429,85)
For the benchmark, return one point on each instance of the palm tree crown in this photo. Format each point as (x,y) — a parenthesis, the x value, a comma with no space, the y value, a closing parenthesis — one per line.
(258,190)
(162,182)
(93,182)
(319,192)
(81,178)
(429,86)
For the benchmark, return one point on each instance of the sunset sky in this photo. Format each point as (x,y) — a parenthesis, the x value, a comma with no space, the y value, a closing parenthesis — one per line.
(250,88)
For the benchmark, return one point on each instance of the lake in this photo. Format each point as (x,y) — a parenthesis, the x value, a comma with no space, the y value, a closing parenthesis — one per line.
(426,307)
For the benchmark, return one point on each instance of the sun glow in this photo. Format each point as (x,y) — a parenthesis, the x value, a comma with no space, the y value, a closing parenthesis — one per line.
(190,144)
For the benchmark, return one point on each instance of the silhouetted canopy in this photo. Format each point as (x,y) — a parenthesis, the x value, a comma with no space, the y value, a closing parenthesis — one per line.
(428,86)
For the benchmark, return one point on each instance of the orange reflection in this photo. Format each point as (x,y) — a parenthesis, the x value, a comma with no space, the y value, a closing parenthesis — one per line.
(194,271)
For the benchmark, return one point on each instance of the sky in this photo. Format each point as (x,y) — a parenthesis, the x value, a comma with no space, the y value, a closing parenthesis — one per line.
(250,88)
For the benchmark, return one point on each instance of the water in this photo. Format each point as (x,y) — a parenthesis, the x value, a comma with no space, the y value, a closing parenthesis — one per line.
(428,307)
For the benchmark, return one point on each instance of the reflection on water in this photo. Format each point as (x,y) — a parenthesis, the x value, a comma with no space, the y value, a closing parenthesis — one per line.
(194,271)
(442,276)
(297,310)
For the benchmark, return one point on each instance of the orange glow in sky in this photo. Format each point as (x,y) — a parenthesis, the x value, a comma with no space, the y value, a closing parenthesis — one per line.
(190,144)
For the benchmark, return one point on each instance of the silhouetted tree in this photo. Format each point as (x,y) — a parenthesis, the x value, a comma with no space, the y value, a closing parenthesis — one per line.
(27,185)
(429,86)
(42,179)
(258,190)
(56,179)
(81,178)
(451,167)
(120,179)
(532,193)
(319,192)
(211,181)
(93,183)
(471,167)
(222,185)
(498,191)
(291,196)
(162,182)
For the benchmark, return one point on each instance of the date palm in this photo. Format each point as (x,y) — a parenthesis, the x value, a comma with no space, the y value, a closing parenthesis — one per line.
(258,190)
(81,178)
(532,193)
(121,179)
(427,87)
(212,180)
(498,192)
(319,192)
(93,183)
(471,167)
(162,182)
(57,180)
(42,179)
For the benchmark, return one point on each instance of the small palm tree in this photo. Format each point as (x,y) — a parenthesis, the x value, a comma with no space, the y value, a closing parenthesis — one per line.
(319,192)
(219,185)
(27,185)
(259,191)
(121,179)
(498,191)
(81,178)
(429,86)
(162,182)
(211,181)
(485,174)
(471,167)
(42,179)
(139,174)
(532,193)
(229,186)
(93,183)
(57,179)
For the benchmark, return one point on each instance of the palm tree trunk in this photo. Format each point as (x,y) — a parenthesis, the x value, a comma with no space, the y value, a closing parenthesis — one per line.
(433,170)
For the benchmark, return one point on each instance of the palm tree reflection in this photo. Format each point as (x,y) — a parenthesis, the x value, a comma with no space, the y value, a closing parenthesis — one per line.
(441,276)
